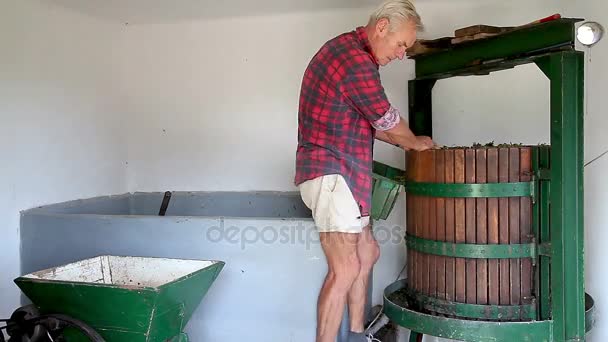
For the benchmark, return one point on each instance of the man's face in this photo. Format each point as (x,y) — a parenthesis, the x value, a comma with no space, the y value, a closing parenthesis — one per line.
(388,46)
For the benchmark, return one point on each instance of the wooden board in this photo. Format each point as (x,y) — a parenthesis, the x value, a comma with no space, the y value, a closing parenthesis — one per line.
(450,228)
(431,177)
(441,223)
(459,214)
(503,227)
(493,265)
(525,226)
(482,227)
(459,40)
(476,29)
(514,233)
(470,228)
(426,46)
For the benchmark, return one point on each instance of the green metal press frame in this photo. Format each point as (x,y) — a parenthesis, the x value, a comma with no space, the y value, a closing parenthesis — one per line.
(565,312)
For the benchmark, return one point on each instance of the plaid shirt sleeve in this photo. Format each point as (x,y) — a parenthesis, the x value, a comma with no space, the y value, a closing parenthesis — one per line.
(363,89)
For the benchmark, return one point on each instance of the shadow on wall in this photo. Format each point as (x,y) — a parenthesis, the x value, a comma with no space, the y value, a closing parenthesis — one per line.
(161,11)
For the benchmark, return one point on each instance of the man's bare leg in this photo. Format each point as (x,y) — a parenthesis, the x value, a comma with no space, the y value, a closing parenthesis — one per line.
(368,252)
(343,268)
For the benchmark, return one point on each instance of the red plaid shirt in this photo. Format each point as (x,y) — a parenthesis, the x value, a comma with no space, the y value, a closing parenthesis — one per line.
(341,95)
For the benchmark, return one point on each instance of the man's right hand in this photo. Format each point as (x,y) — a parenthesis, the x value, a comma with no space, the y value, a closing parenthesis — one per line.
(402,136)
(424,143)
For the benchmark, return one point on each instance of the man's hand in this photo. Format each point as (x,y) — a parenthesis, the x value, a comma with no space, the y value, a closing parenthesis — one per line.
(424,143)
(402,136)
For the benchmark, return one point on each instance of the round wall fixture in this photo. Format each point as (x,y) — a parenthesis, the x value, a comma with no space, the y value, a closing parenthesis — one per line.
(589,33)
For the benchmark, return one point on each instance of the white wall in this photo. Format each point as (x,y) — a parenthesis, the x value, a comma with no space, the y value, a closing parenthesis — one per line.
(59,130)
(213,103)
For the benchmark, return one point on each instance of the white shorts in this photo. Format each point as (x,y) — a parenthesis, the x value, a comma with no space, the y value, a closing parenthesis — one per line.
(333,206)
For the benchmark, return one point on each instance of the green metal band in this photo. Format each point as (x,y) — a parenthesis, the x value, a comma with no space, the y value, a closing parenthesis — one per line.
(471,251)
(515,189)
(463,329)
(472,311)
(473,330)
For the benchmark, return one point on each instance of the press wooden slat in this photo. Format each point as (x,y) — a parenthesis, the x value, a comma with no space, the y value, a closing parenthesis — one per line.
(409,210)
(432,226)
(482,228)
(417,255)
(470,229)
(450,228)
(493,266)
(411,222)
(525,226)
(459,208)
(503,227)
(514,233)
(414,214)
(441,226)
(425,162)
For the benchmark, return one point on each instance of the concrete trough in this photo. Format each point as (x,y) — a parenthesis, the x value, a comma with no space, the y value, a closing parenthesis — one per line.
(274,262)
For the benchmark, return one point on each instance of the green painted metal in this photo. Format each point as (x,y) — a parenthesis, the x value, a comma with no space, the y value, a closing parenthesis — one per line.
(543,174)
(421,106)
(183,337)
(514,189)
(558,196)
(541,228)
(589,313)
(105,308)
(534,39)
(545,249)
(536,227)
(427,303)
(544,233)
(414,336)
(565,70)
(387,184)
(471,251)
(124,313)
(544,64)
(461,329)
(473,330)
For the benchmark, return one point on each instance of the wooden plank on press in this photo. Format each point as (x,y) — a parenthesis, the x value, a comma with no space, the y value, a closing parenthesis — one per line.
(459,208)
(482,227)
(503,227)
(470,228)
(493,265)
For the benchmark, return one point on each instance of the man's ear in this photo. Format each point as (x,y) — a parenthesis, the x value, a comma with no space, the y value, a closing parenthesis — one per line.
(382,27)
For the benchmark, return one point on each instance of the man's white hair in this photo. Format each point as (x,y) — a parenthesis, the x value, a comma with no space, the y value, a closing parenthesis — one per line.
(397,12)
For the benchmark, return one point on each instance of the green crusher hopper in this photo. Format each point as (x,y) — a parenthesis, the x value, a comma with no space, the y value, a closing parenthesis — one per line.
(119,298)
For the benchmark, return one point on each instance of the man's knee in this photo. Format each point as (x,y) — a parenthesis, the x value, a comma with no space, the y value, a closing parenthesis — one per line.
(368,249)
(345,274)
(369,256)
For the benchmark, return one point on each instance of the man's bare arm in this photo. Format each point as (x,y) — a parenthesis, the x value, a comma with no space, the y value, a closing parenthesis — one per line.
(401,136)
(380,135)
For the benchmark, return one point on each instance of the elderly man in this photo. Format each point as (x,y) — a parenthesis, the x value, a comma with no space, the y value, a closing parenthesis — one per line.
(342,109)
